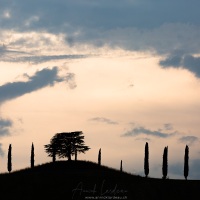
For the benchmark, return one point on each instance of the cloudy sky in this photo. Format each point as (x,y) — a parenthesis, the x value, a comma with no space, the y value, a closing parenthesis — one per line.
(125,72)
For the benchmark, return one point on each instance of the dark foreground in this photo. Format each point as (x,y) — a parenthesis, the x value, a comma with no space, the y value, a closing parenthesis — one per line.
(85,180)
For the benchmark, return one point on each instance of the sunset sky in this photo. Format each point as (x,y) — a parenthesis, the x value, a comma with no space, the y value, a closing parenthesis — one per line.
(125,72)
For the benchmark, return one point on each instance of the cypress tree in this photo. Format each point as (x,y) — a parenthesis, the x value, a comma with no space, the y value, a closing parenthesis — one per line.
(165,163)
(146,160)
(9,166)
(99,157)
(32,156)
(121,168)
(186,162)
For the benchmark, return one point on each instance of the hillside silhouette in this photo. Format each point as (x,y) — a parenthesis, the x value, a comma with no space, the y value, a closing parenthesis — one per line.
(87,180)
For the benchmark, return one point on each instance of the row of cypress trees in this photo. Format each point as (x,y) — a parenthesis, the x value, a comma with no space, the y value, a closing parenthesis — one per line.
(9,165)
(165,162)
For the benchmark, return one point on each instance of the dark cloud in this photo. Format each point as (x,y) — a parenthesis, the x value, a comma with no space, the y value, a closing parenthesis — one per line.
(43,78)
(103,120)
(57,15)
(4,50)
(160,27)
(185,61)
(170,61)
(37,59)
(130,24)
(13,55)
(141,130)
(190,140)
(41,59)
(5,125)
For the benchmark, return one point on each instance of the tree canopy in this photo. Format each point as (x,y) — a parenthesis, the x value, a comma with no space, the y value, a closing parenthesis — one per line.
(66,144)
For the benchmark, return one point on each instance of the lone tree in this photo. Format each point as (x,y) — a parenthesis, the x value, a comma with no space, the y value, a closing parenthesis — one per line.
(99,157)
(165,163)
(32,156)
(10,158)
(66,144)
(146,160)
(186,162)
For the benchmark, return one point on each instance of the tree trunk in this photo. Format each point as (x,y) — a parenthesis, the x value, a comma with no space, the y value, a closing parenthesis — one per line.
(76,155)
(69,155)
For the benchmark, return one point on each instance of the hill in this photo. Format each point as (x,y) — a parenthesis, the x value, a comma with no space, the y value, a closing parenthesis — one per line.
(86,180)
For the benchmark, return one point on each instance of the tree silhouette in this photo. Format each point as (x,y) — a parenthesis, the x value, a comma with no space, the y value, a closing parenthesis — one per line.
(146,160)
(121,168)
(66,144)
(99,157)
(32,156)
(186,162)
(165,162)
(9,158)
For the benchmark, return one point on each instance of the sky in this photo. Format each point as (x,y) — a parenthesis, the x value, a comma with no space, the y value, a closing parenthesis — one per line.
(125,72)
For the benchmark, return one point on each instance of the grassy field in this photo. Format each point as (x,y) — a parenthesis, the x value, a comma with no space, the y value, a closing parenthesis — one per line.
(86,180)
